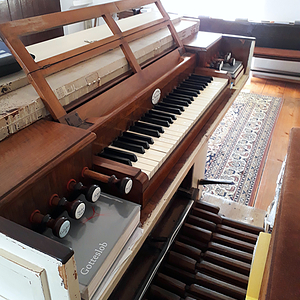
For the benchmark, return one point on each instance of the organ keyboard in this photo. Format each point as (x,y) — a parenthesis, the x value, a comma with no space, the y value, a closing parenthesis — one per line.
(89,109)
(163,139)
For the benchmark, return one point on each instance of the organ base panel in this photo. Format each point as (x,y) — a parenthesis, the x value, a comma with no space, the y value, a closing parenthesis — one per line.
(55,147)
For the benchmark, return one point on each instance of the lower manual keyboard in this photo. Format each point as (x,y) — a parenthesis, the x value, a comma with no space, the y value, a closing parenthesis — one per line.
(151,140)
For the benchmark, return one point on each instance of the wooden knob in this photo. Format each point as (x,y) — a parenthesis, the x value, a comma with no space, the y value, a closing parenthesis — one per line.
(227,56)
(123,185)
(75,209)
(231,61)
(60,226)
(92,193)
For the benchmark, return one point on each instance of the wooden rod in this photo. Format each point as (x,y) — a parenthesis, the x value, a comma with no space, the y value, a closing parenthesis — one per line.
(95,175)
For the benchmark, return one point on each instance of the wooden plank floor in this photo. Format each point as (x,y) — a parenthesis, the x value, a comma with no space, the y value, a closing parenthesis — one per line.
(289,117)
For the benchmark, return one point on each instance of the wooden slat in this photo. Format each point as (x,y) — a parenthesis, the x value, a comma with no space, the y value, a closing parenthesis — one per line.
(44,22)
(47,95)
(35,78)
(74,56)
(170,24)
(124,5)
(58,63)
(20,53)
(153,26)
(280,54)
(124,44)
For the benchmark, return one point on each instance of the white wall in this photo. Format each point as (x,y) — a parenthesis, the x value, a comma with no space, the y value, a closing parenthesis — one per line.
(74,4)
(269,10)
(282,10)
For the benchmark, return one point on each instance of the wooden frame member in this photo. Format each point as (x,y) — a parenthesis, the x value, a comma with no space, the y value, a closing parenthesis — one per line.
(37,71)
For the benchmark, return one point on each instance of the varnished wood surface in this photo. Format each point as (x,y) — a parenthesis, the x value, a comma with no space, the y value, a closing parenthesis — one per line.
(281,54)
(19,9)
(35,71)
(281,276)
(289,117)
(36,163)
(35,147)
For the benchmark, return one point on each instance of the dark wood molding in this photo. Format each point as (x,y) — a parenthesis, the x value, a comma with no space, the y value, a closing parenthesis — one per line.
(35,240)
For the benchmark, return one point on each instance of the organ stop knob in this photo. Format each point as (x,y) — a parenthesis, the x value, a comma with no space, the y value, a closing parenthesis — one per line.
(60,226)
(124,185)
(75,209)
(92,193)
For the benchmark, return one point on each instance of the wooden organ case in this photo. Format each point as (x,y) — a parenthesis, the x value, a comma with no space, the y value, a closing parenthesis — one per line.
(60,134)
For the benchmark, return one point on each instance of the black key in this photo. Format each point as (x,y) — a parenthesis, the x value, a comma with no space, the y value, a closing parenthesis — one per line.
(182,96)
(116,158)
(199,79)
(153,120)
(158,116)
(171,105)
(189,92)
(192,89)
(201,82)
(194,84)
(208,78)
(195,81)
(121,153)
(148,139)
(129,146)
(174,111)
(149,126)
(163,114)
(134,141)
(179,98)
(201,76)
(199,87)
(177,102)
(145,131)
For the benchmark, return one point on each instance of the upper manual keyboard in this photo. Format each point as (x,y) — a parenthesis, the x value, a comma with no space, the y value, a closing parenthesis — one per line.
(150,141)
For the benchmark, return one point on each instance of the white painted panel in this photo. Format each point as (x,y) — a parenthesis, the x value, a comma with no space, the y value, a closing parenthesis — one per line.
(30,279)
(279,65)
(55,270)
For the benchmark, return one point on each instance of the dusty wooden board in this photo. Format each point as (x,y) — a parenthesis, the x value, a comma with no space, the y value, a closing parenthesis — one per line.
(236,211)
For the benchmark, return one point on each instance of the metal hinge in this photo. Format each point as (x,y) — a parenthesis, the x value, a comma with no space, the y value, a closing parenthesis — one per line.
(73,119)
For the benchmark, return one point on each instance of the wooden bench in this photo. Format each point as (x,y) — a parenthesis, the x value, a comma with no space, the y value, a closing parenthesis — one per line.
(282,272)
(278,54)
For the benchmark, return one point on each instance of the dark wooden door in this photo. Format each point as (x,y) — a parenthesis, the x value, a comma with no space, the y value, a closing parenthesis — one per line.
(18,9)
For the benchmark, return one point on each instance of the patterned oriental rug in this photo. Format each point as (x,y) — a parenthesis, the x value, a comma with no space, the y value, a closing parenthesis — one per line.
(238,147)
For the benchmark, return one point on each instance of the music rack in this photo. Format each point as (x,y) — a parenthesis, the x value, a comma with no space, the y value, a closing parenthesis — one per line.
(37,71)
